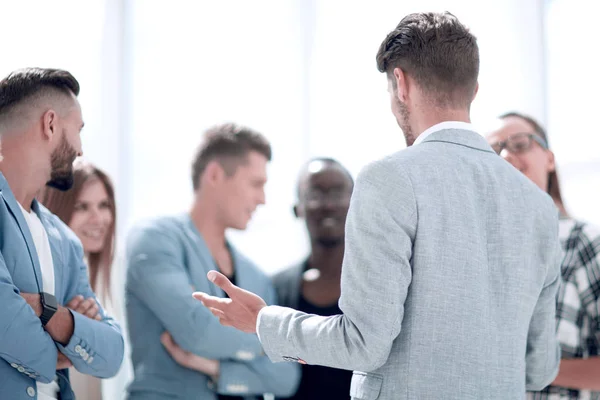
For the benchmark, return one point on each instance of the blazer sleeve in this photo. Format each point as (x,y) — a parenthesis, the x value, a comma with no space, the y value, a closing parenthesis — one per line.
(24,343)
(376,274)
(260,375)
(96,347)
(543,352)
(157,276)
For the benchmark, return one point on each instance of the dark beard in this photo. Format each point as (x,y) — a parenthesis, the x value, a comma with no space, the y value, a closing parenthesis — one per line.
(330,243)
(409,135)
(61,164)
(61,183)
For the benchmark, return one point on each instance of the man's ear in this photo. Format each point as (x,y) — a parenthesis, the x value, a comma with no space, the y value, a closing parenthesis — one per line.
(476,90)
(49,128)
(401,84)
(213,173)
(296,210)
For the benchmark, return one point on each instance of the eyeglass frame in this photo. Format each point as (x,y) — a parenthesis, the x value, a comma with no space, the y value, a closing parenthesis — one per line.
(531,136)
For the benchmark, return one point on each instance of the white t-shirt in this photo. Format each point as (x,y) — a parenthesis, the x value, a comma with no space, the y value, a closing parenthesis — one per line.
(46,391)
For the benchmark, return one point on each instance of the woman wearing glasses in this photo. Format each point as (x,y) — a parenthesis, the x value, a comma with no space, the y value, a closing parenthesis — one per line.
(521,141)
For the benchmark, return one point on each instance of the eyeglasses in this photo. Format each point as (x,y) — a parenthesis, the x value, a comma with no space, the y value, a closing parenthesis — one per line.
(314,198)
(519,143)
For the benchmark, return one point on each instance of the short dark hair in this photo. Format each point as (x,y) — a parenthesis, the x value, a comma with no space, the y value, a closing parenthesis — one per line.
(438,52)
(325,160)
(23,84)
(229,144)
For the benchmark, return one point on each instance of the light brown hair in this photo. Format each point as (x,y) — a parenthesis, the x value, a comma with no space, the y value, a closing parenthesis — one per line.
(62,204)
(229,144)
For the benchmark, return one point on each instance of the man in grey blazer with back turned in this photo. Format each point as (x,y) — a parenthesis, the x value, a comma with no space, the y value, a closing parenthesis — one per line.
(451,263)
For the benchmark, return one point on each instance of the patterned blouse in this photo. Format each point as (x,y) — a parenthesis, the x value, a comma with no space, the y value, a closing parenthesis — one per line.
(578,303)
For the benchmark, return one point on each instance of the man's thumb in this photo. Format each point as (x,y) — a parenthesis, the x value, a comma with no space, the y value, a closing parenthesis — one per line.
(221,281)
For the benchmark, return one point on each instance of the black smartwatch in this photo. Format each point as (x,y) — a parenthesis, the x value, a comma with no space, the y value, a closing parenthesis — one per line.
(49,307)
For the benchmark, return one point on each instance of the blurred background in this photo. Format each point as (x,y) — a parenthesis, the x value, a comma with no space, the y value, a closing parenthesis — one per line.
(154,74)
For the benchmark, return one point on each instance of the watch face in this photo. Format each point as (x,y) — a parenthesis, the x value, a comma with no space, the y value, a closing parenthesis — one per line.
(49,300)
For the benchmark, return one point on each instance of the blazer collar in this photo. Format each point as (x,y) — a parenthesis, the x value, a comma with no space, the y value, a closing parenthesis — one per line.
(241,273)
(15,210)
(460,137)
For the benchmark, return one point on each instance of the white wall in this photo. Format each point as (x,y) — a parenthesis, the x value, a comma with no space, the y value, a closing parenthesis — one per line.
(573,87)
(216,62)
(304,73)
(154,75)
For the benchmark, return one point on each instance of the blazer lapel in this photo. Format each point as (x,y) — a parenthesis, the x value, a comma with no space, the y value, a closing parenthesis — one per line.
(203,252)
(57,260)
(15,210)
(242,279)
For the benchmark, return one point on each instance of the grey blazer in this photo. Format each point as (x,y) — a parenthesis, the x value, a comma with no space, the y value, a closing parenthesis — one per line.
(449,280)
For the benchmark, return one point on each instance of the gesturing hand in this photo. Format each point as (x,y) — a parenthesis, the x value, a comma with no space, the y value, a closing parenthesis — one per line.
(240,310)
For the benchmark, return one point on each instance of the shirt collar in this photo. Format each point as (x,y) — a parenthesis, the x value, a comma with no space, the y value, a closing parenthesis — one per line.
(441,126)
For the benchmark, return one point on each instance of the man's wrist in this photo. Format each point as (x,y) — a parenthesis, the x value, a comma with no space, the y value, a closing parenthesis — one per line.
(49,307)
(61,326)
(258,319)
(216,371)
(209,367)
(34,301)
(37,308)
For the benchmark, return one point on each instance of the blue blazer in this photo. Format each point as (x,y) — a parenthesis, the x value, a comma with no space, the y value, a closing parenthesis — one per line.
(168,260)
(27,352)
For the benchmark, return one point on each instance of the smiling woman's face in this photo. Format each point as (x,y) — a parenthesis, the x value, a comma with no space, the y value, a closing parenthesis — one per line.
(92,216)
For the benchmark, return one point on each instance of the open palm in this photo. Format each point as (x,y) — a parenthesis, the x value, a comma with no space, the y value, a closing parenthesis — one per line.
(240,310)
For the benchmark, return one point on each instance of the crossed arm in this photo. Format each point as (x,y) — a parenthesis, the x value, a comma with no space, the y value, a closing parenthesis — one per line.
(39,350)
(158,277)
(24,340)
(60,327)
